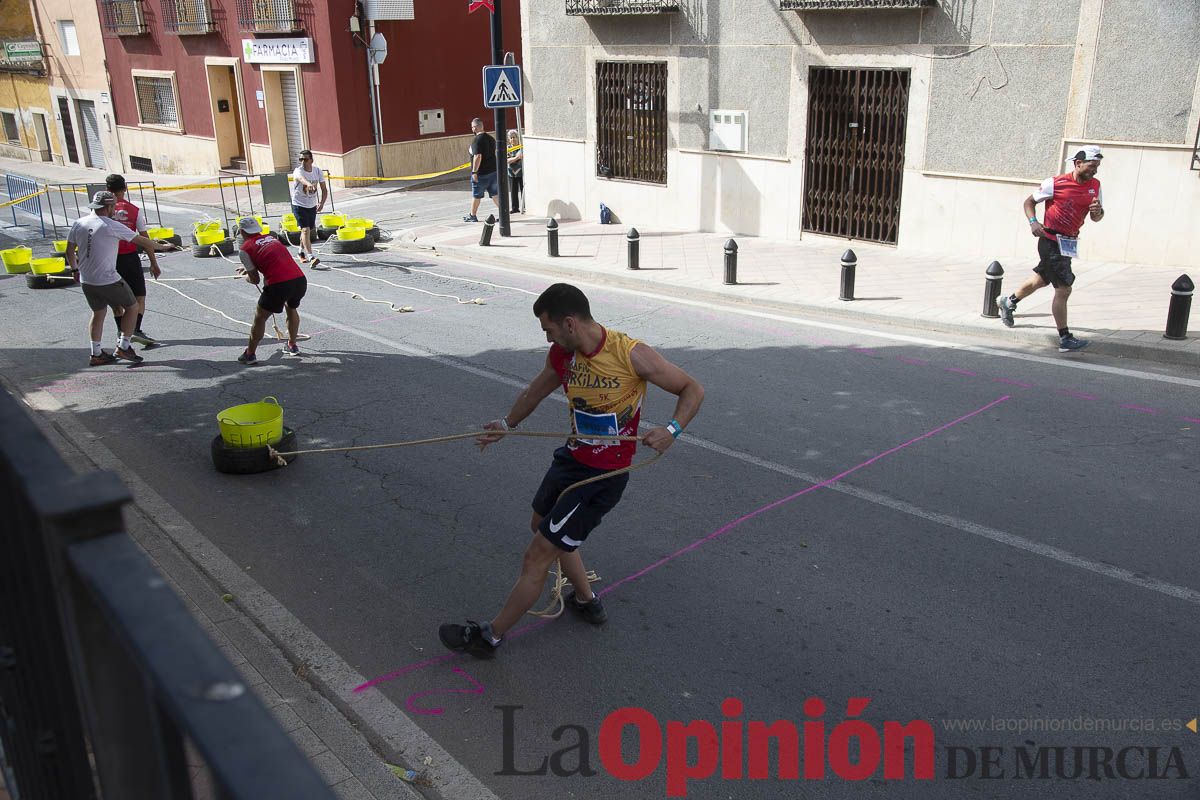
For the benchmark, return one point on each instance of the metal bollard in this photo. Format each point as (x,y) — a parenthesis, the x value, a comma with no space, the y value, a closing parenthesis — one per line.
(991,289)
(849,262)
(1181,307)
(552,237)
(485,236)
(731,263)
(634,240)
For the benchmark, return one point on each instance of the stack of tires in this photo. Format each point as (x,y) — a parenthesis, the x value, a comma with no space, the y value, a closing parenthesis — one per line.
(209,240)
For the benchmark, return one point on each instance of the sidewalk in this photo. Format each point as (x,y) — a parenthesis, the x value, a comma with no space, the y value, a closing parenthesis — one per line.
(1121,308)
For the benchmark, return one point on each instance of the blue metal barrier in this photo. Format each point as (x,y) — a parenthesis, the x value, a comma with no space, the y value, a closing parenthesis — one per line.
(20,186)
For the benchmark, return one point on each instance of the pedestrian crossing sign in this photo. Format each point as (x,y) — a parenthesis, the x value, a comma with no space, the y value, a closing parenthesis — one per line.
(501,87)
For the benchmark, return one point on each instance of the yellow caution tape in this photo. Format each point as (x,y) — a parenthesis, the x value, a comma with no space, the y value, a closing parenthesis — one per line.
(8,203)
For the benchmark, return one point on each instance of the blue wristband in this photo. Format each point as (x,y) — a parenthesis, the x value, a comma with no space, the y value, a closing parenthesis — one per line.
(675,428)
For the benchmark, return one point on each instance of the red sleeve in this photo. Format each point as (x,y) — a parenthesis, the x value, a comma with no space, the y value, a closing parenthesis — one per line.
(560,358)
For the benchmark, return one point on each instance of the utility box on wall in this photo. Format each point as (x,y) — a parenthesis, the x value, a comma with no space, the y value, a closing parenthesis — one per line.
(727,130)
(432,121)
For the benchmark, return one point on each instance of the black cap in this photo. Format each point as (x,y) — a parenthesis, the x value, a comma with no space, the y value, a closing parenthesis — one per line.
(115,183)
(306,154)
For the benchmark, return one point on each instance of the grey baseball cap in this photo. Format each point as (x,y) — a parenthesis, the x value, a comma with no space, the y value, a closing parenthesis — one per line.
(102,199)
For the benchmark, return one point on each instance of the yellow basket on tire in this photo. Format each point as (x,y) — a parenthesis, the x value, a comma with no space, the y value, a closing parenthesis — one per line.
(210,237)
(60,245)
(287,223)
(160,233)
(333,220)
(252,424)
(16,260)
(350,234)
(359,222)
(48,266)
(201,227)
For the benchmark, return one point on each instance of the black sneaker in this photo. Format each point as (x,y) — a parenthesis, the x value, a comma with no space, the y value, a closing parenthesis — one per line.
(1006,308)
(592,611)
(104,358)
(471,638)
(142,338)
(470,218)
(247,358)
(127,354)
(1069,344)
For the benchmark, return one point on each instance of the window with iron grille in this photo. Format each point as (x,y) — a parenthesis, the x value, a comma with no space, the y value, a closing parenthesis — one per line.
(141,163)
(268,16)
(631,120)
(184,17)
(122,17)
(11,134)
(598,8)
(156,101)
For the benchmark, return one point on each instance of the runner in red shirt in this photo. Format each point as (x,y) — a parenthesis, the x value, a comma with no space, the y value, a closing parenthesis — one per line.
(285,285)
(129,263)
(1070,198)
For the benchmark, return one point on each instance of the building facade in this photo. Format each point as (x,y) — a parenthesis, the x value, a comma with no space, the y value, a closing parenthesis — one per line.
(27,129)
(201,86)
(918,123)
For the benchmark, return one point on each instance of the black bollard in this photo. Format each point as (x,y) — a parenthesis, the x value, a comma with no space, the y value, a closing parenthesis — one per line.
(485,236)
(1181,307)
(731,263)
(552,237)
(849,262)
(991,289)
(634,240)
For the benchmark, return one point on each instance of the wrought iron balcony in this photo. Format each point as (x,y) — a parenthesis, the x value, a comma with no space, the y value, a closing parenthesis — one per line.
(122,17)
(184,17)
(596,8)
(268,16)
(852,5)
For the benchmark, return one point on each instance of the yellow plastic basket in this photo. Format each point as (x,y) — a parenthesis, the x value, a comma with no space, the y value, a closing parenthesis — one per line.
(333,220)
(160,233)
(210,237)
(288,223)
(60,246)
(359,222)
(252,424)
(16,260)
(350,234)
(48,266)
(211,225)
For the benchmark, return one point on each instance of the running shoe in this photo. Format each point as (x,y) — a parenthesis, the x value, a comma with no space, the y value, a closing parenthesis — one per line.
(127,354)
(143,338)
(105,357)
(471,638)
(470,218)
(1006,308)
(1069,344)
(316,264)
(247,358)
(290,349)
(592,611)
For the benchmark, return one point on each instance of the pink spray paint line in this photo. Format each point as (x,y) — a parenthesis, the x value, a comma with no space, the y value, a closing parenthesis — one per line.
(912,362)
(1010,382)
(1076,395)
(685,550)
(1142,409)
(866,351)
(1191,419)
(411,703)
(966,372)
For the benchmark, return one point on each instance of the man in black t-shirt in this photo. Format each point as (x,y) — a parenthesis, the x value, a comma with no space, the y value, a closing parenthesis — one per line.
(483,169)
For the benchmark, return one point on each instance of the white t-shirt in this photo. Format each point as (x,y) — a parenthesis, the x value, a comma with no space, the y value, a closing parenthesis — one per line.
(96,239)
(299,196)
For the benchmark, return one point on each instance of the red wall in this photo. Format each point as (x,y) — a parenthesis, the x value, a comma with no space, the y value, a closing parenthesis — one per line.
(433,61)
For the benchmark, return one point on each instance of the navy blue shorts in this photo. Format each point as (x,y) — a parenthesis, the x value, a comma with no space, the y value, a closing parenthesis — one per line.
(489,183)
(305,217)
(567,522)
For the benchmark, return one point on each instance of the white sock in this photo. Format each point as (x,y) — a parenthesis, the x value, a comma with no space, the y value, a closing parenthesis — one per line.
(96,349)
(125,344)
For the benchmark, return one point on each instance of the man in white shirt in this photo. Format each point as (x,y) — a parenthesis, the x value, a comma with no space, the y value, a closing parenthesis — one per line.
(92,252)
(307,180)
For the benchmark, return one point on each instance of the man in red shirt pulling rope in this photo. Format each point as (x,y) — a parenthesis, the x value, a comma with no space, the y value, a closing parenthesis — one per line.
(285,286)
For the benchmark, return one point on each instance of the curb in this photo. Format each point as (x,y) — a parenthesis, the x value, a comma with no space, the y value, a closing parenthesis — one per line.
(1163,354)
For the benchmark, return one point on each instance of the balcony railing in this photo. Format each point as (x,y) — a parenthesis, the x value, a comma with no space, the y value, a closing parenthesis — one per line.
(851,5)
(268,16)
(595,8)
(122,17)
(185,17)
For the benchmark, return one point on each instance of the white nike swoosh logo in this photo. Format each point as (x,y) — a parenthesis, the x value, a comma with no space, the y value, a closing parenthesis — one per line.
(555,527)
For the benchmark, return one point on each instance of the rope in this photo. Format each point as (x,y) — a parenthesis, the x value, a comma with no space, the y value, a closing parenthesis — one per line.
(477,301)
(557,605)
(451,277)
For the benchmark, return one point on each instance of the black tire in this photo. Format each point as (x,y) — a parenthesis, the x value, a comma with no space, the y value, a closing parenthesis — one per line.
(324,233)
(176,240)
(373,232)
(363,245)
(205,250)
(58,280)
(290,237)
(249,460)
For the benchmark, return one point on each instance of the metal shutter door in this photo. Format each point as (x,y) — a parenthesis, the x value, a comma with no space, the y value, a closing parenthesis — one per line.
(291,115)
(91,134)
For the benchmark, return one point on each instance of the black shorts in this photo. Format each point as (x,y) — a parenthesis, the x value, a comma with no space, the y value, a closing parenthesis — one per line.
(306,216)
(567,522)
(288,292)
(1054,268)
(129,267)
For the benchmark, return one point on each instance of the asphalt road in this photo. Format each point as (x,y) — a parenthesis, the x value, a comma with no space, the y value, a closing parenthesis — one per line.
(956,534)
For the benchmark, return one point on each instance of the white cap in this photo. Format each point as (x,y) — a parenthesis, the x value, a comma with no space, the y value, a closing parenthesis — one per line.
(1089,152)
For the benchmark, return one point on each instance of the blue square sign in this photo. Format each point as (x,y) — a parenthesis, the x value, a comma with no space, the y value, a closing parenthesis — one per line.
(501,87)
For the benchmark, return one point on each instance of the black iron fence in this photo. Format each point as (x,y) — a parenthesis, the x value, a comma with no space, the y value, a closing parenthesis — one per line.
(852,5)
(268,16)
(184,17)
(631,120)
(590,8)
(69,201)
(122,17)
(104,674)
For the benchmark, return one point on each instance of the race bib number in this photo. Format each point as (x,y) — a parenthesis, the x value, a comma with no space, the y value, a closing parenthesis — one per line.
(1068,246)
(594,425)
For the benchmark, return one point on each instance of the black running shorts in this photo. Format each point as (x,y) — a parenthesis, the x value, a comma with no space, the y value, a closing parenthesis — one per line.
(567,522)
(289,293)
(129,267)
(1054,268)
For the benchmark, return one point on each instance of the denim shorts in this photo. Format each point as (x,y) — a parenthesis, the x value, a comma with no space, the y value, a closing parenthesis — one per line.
(489,183)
